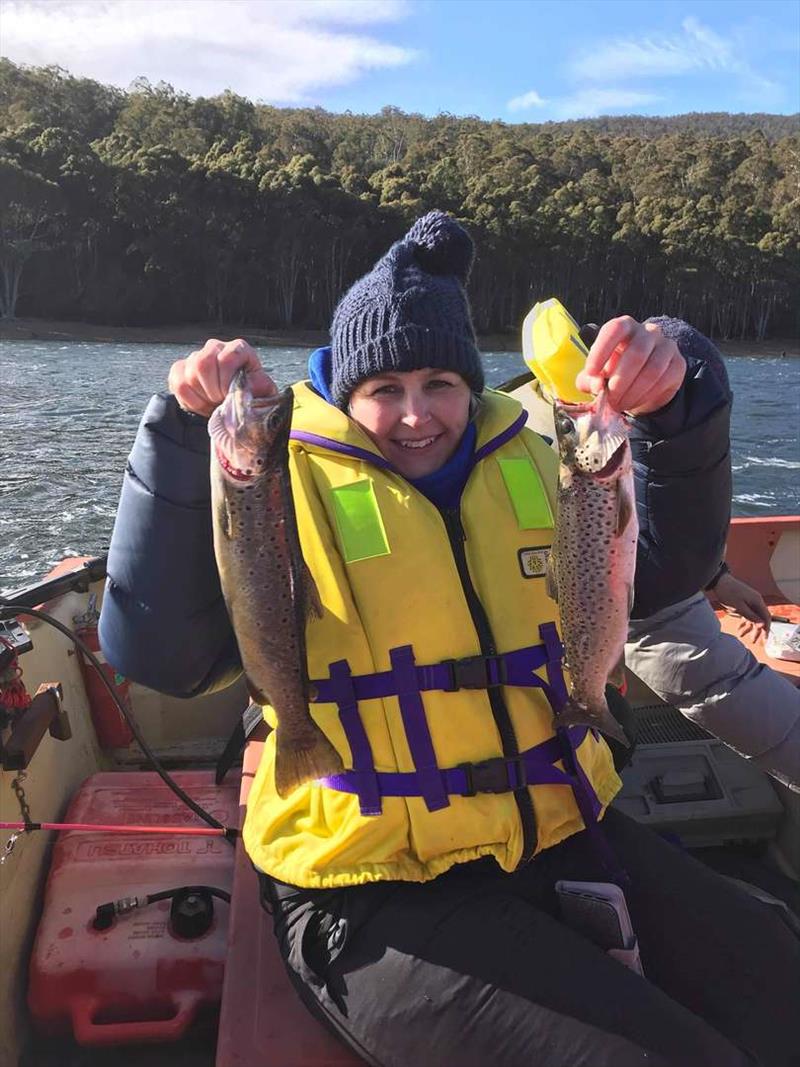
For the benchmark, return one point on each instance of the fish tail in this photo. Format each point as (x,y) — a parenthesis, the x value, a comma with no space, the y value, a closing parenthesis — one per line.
(296,763)
(597,716)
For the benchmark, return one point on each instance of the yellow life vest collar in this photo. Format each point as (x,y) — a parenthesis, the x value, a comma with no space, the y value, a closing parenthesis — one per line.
(319,425)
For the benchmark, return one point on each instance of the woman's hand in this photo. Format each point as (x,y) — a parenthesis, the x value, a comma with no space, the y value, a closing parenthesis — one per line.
(643,369)
(739,598)
(200,382)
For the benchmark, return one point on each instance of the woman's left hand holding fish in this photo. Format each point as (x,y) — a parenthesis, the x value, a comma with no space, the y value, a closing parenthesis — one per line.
(642,368)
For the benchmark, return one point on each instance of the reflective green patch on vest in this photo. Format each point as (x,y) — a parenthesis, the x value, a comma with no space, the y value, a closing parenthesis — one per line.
(359,522)
(528,496)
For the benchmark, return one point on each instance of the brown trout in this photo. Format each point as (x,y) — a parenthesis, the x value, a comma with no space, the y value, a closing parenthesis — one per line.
(268,589)
(591,566)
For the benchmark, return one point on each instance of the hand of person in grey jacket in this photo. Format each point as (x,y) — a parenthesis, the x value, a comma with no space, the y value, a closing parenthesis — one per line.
(200,382)
(739,598)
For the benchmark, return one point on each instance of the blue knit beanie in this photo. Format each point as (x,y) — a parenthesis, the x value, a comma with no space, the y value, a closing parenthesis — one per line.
(410,311)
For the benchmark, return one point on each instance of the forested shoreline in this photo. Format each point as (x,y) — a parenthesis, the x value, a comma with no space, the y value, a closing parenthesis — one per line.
(149,207)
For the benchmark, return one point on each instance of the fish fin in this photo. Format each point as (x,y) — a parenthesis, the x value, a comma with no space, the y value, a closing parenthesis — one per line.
(313,601)
(598,717)
(616,675)
(603,448)
(550,579)
(255,693)
(295,764)
(624,508)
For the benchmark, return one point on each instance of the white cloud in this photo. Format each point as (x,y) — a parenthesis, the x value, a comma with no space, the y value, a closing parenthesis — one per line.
(696,50)
(584,103)
(626,59)
(522,103)
(278,51)
(618,74)
(590,102)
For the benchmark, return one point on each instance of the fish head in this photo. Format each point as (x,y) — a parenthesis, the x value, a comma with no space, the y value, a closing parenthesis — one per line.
(592,439)
(249,432)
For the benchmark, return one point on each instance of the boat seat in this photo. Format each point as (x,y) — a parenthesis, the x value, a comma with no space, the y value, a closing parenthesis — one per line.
(263,1022)
(730,625)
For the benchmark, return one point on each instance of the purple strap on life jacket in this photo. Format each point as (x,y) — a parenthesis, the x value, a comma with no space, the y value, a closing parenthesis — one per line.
(589,807)
(363,772)
(474,672)
(535,766)
(429,779)
(585,797)
(555,675)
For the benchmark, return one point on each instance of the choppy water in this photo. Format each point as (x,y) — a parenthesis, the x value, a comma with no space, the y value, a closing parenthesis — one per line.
(69,412)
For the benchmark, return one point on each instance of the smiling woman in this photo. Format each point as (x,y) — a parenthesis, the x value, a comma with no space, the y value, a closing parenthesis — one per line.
(432,664)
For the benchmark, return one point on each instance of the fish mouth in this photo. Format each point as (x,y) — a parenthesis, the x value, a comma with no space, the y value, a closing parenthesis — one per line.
(238,463)
(240,475)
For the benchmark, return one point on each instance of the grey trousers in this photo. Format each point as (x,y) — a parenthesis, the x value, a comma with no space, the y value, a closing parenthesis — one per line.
(682,654)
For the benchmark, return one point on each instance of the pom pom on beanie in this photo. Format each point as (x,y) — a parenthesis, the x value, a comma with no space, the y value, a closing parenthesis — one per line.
(442,246)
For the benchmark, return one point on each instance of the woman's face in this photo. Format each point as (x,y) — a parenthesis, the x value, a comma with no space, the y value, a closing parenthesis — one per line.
(416,418)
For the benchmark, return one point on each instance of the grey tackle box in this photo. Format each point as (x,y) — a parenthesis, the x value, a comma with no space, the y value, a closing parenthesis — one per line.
(697,788)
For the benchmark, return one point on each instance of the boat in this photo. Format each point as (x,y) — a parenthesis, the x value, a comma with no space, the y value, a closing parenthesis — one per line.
(222,997)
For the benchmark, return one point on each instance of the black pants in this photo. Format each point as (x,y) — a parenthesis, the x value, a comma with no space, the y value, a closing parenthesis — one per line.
(475,969)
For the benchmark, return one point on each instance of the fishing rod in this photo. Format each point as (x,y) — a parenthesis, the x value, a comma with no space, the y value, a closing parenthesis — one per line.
(8,609)
(118,828)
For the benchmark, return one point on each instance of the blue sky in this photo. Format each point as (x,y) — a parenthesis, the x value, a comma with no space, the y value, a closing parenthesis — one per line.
(515,60)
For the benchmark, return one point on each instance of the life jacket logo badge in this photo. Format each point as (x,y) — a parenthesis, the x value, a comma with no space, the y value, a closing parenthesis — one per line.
(533,561)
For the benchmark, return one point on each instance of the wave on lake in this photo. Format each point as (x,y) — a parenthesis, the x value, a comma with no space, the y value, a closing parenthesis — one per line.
(71,409)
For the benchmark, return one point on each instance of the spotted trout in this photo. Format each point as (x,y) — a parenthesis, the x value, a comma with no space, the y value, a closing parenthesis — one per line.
(591,566)
(268,589)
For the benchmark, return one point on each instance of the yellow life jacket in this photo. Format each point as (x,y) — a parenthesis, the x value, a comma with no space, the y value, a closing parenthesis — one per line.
(400,591)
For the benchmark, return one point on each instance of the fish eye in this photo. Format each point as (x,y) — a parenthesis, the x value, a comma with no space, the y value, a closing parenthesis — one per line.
(564,423)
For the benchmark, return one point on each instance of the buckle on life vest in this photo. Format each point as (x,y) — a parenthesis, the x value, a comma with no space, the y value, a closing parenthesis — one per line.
(495,775)
(475,672)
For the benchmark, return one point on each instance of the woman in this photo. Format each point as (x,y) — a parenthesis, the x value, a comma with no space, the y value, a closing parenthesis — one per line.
(414,895)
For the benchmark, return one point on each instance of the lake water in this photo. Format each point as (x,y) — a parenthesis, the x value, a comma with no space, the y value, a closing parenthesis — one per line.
(69,412)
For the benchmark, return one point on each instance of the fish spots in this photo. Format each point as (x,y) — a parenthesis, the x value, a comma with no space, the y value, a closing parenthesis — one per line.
(590,560)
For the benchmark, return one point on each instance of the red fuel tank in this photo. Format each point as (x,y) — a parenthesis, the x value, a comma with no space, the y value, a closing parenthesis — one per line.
(140,979)
(111,728)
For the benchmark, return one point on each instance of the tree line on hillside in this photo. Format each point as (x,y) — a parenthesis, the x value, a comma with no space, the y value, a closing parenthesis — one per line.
(151,207)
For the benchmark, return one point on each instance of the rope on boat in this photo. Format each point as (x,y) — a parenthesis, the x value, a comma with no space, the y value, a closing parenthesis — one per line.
(14,696)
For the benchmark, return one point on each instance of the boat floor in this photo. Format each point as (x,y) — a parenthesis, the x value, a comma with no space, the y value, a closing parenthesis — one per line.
(746,862)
